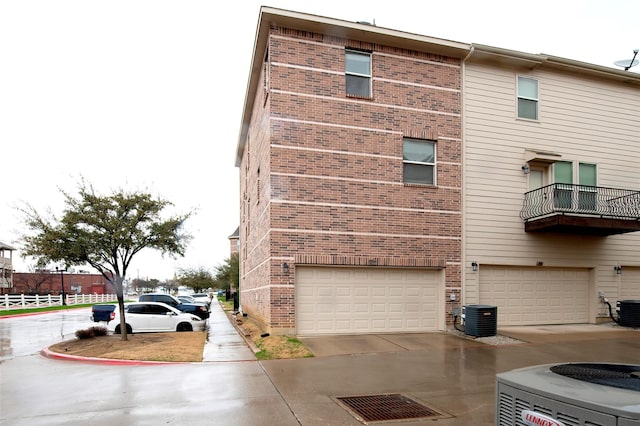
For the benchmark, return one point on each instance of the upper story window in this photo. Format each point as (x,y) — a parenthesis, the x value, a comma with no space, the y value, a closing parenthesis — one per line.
(419,158)
(563,172)
(584,196)
(527,98)
(358,73)
(587,174)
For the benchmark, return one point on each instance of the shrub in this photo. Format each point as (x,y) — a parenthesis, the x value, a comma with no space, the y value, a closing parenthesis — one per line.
(91,332)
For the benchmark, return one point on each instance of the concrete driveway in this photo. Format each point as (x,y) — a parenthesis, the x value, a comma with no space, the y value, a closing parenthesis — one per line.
(452,375)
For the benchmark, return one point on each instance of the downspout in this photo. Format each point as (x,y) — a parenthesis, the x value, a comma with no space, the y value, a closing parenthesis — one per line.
(463,273)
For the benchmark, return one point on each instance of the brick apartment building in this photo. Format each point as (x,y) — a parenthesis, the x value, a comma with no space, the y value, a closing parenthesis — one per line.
(349,179)
(356,216)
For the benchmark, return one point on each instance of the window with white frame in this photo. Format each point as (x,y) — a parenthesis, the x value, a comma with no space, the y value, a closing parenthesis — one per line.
(419,161)
(527,98)
(358,73)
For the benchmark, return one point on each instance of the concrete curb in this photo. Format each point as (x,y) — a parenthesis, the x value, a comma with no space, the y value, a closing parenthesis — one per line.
(104,361)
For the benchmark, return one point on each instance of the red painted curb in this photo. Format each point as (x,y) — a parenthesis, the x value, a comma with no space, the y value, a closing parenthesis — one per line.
(104,361)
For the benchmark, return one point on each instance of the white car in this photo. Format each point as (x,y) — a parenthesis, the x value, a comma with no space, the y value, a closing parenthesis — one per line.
(202,298)
(152,317)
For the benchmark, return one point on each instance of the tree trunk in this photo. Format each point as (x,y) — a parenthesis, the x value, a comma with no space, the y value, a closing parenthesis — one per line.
(120,295)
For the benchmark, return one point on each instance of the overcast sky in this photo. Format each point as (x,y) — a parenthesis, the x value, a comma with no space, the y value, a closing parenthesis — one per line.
(148,95)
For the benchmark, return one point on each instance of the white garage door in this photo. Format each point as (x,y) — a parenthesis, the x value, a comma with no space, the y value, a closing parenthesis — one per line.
(366,300)
(630,284)
(533,296)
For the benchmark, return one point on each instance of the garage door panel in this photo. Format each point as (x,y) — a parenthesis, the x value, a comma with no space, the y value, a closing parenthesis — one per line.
(380,323)
(343,308)
(395,292)
(395,308)
(323,276)
(528,296)
(365,300)
(413,292)
(342,291)
(326,292)
(379,292)
(378,308)
(412,308)
(361,307)
(361,325)
(324,308)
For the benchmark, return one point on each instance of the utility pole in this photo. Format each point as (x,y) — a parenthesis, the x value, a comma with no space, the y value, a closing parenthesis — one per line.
(64,297)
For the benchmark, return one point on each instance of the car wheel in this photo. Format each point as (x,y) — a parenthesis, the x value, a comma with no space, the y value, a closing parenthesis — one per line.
(183,326)
(116,330)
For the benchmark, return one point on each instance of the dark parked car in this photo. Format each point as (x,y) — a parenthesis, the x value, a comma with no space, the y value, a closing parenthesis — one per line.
(103,313)
(198,309)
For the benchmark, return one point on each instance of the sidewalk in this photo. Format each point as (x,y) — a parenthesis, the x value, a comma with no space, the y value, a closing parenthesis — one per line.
(224,343)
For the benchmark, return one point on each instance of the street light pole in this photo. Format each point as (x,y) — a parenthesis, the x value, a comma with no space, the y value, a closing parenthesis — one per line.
(64,298)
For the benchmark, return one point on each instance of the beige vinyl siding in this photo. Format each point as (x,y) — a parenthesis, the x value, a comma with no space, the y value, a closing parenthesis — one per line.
(629,284)
(583,120)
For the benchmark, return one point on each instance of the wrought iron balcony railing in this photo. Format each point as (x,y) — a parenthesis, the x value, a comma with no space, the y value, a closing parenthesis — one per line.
(561,198)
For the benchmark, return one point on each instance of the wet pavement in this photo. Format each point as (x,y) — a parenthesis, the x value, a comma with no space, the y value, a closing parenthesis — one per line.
(451,374)
(231,388)
(224,343)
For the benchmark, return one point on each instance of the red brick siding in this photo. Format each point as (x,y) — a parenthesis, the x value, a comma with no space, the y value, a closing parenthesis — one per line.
(411,250)
(49,282)
(374,219)
(369,193)
(352,219)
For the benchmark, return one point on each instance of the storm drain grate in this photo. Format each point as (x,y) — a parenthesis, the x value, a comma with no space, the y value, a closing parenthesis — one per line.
(387,407)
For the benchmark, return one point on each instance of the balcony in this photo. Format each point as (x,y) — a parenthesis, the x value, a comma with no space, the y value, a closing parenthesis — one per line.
(580,209)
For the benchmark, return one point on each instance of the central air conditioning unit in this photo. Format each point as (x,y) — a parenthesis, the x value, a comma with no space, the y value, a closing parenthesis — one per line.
(628,313)
(573,394)
(480,320)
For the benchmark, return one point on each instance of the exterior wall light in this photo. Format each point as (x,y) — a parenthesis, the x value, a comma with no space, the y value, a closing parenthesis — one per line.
(526,169)
(285,267)
(618,269)
(474,266)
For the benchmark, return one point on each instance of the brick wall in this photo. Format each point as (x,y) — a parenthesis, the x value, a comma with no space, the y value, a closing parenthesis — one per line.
(50,283)
(322,176)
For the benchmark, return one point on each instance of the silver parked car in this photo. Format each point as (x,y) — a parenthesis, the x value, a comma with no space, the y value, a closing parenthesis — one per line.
(186,299)
(202,298)
(151,317)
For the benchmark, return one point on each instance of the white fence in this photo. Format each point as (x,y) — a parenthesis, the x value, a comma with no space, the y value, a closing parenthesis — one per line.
(20,301)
